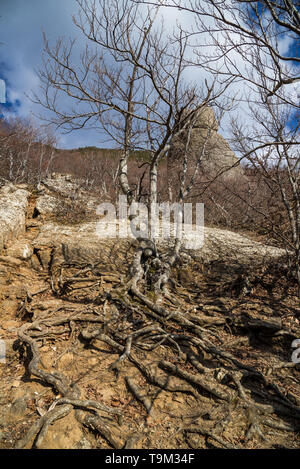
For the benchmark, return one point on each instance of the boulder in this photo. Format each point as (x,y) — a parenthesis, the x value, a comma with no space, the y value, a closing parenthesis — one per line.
(46,204)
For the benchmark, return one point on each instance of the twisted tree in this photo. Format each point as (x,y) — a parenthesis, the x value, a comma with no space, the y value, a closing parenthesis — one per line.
(131,84)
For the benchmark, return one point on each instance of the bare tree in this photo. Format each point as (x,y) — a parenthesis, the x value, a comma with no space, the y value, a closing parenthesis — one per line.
(254,44)
(263,34)
(130,83)
(252,33)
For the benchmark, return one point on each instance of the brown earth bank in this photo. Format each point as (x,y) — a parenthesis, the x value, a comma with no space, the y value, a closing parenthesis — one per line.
(90,364)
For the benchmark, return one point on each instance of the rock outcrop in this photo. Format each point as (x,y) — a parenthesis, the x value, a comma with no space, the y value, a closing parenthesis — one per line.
(57,189)
(13,203)
(82,245)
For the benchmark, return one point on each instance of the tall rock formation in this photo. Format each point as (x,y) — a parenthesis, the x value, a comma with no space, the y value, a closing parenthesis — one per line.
(205,141)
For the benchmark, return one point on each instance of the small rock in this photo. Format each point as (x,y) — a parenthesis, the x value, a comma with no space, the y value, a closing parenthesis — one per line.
(16,383)
(10,261)
(18,289)
(20,250)
(93,361)
(35,263)
(33,224)
(84,444)
(12,348)
(18,393)
(9,308)
(9,325)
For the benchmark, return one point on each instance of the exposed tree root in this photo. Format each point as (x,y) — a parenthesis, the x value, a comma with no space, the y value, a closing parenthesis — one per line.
(139,395)
(41,426)
(110,432)
(135,322)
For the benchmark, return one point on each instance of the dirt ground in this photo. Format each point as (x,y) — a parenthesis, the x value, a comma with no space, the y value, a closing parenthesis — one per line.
(90,365)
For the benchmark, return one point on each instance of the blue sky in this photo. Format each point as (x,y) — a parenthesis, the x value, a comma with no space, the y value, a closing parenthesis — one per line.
(21,26)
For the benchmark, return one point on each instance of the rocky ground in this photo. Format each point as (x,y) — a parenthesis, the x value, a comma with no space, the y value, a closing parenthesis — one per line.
(90,364)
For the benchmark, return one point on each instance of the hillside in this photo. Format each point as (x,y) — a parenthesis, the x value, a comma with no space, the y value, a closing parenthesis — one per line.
(92,362)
